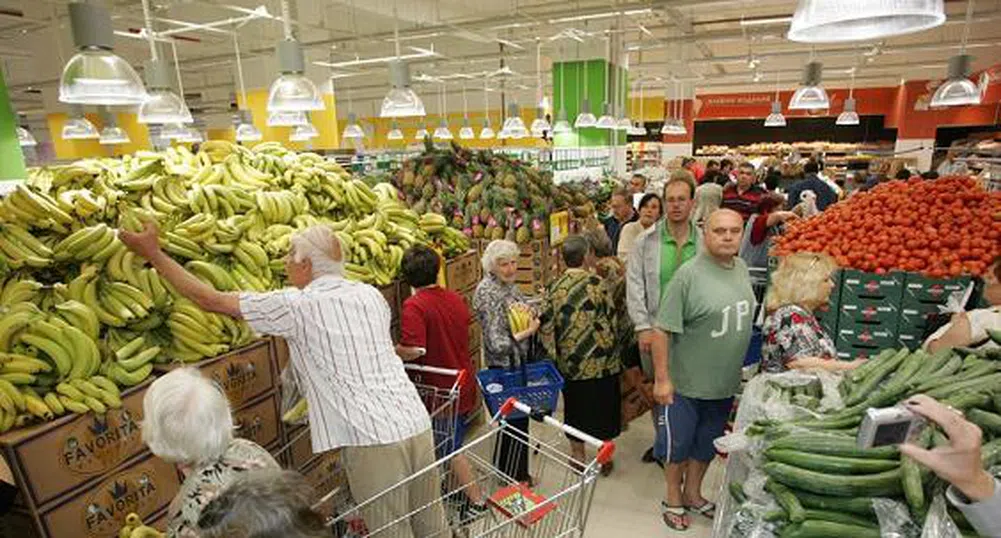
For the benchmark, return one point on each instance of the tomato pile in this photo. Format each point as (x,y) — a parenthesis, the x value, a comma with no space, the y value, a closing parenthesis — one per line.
(942,228)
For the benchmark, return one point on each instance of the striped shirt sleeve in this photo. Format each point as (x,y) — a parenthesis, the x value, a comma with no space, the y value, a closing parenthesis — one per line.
(269,313)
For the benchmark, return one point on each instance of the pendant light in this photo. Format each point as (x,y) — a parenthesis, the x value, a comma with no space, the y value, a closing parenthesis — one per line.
(112,134)
(486,133)
(606,121)
(776,119)
(173,131)
(848,116)
(96,75)
(622,95)
(811,95)
(307,131)
(442,132)
(24,136)
(679,118)
(540,126)
(466,132)
(513,126)
(832,21)
(638,129)
(666,129)
(562,125)
(292,91)
(352,129)
(671,124)
(394,132)
(246,131)
(191,136)
(400,101)
(286,118)
(584,116)
(958,89)
(422,133)
(78,127)
(161,105)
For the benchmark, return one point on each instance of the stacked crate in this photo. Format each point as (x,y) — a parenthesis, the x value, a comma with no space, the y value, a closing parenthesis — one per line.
(920,302)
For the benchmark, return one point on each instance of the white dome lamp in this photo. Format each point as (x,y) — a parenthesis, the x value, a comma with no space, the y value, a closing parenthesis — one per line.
(540,125)
(292,91)
(400,101)
(585,118)
(776,118)
(246,131)
(638,129)
(442,132)
(562,125)
(161,105)
(422,133)
(958,89)
(96,75)
(286,119)
(24,137)
(514,126)
(466,132)
(811,95)
(352,129)
(833,21)
(112,134)
(78,127)
(394,132)
(487,132)
(849,116)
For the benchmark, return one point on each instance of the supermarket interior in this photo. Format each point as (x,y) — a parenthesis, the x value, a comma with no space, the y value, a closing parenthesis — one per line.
(430,268)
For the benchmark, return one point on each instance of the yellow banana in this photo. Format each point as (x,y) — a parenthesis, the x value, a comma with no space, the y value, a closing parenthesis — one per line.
(51,400)
(8,389)
(86,355)
(36,406)
(74,405)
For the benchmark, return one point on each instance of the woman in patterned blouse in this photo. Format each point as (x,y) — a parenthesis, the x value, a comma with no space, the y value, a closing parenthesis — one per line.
(187,421)
(792,336)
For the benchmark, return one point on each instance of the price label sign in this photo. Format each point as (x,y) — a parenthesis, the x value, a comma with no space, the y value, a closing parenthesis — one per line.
(559,226)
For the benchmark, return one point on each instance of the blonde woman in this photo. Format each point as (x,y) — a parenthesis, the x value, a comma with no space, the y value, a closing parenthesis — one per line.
(792,338)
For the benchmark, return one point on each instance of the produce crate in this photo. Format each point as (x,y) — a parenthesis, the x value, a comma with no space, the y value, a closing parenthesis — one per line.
(875,312)
(857,284)
(919,289)
(144,485)
(243,374)
(859,340)
(462,273)
(258,421)
(910,338)
(280,354)
(73,452)
(828,318)
(916,316)
(325,474)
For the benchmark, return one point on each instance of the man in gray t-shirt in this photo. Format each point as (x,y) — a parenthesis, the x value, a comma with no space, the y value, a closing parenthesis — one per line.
(704,328)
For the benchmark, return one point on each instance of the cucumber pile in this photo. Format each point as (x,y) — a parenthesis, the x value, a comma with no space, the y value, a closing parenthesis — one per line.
(824,484)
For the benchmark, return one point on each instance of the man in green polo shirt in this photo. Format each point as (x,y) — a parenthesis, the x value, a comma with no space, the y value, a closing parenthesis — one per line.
(656,255)
(703,330)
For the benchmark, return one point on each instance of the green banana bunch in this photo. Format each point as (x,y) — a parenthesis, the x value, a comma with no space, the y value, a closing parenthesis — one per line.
(22,249)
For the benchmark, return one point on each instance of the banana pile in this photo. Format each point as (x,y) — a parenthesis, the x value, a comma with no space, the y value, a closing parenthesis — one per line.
(134,528)
(81,314)
(519,317)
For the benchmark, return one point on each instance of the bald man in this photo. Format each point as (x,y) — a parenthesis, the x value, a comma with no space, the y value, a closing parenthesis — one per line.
(703,330)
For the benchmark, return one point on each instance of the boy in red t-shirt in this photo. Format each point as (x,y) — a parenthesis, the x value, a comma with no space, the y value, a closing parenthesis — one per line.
(434,331)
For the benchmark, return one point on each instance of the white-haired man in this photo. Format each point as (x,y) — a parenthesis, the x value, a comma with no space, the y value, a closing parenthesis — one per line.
(359,395)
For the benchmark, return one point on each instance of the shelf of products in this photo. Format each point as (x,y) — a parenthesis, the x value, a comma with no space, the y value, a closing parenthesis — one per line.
(641,155)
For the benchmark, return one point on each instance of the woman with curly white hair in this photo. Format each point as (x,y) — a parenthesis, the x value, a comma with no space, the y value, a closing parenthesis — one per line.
(503,349)
(187,421)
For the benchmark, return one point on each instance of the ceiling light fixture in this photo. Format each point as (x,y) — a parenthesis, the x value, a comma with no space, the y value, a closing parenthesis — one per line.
(540,126)
(638,129)
(96,75)
(308,131)
(394,132)
(466,132)
(606,121)
(191,136)
(958,89)
(352,129)
(422,133)
(487,132)
(834,21)
(562,125)
(292,91)
(246,131)
(173,131)
(442,132)
(848,116)
(811,95)
(24,136)
(78,127)
(765,21)
(584,116)
(161,105)
(776,119)
(111,134)
(513,126)
(400,101)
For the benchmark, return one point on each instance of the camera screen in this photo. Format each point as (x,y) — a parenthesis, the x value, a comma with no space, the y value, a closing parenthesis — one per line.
(891,433)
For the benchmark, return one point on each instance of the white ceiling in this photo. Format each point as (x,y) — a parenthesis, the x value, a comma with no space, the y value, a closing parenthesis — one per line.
(705,42)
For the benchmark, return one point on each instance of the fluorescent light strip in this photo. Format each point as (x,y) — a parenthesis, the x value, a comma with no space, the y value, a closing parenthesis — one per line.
(605,15)
(422,53)
(765,22)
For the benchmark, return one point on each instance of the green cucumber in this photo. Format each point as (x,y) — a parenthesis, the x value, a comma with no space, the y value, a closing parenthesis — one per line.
(775,515)
(976,372)
(986,383)
(864,388)
(882,484)
(854,505)
(911,476)
(989,422)
(996,400)
(832,445)
(831,423)
(857,374)
(908,368)
(995,335)
(840,517)
(966,400)
(785,498)
(737,492)
(937,360)
(948,369)
(813,528)
(830,464)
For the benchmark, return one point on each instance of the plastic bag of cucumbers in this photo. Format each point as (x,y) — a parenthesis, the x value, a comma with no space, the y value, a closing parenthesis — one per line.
(824,485)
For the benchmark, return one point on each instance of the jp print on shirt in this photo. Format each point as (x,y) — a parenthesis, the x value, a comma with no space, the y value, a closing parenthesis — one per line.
(741,311)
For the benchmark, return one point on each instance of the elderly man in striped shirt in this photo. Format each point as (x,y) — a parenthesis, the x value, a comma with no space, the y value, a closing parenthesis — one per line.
(360,398)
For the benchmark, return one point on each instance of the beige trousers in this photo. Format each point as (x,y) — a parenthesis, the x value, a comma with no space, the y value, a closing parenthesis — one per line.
(412,509)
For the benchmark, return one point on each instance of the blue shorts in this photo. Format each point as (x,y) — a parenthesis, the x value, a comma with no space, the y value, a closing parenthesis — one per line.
(686,429)
(443,444)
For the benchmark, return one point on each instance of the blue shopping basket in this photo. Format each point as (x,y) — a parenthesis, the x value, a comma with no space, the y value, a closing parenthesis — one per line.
(753,355)
(537,385)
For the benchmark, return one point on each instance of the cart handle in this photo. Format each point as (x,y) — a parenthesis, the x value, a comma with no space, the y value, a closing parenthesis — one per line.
(460,375)
(605,448)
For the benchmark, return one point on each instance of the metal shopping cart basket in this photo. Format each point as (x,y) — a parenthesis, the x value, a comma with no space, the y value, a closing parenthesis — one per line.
(441,403)
(434,501)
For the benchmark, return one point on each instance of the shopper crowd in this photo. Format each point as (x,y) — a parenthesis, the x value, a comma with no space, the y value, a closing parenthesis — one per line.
(667,285)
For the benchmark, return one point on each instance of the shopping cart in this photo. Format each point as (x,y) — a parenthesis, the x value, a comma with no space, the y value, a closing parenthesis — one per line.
(441,403)
(433,503)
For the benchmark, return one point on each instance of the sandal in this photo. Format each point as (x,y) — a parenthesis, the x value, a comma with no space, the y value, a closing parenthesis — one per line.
(675,517)
(707,510)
